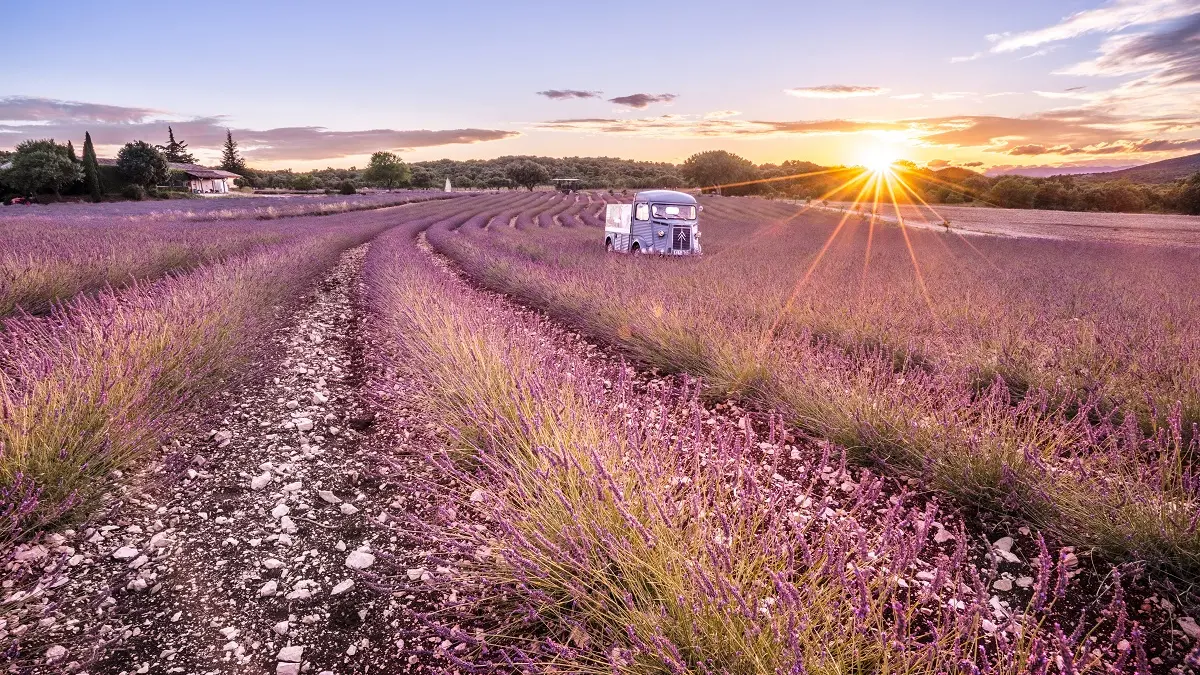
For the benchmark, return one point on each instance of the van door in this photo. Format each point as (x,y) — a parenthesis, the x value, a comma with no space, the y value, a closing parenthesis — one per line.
(642,227)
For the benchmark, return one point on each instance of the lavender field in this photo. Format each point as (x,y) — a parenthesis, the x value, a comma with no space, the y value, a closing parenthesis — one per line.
(459,436)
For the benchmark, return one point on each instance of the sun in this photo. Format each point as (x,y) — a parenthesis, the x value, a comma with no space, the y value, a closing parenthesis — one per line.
(878,159)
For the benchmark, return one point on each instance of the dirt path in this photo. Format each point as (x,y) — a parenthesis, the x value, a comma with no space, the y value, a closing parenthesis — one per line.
(261,555)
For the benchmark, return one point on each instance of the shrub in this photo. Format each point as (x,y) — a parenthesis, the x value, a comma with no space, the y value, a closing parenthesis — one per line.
(142,164)
(347,188)
(135,192)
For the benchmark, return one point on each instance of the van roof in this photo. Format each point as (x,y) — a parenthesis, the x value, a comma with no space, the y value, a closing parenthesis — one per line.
(664,197)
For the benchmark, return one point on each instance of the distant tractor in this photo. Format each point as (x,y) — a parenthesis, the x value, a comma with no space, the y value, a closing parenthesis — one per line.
(658,221)
(566,185)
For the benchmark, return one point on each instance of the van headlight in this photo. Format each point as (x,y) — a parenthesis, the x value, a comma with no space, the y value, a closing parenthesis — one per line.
(662,233)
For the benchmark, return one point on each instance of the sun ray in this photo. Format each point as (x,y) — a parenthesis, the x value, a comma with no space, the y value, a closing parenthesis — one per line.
(862,284)
(908,243)
(774,227)
(787,307)
(956,232)
(775,179)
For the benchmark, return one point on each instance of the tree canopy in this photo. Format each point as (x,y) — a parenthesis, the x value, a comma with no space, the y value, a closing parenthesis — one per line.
(176,151)
(42,165)
(387,170)
(91,169)
(142,164)
(718,169)
(526,173)
(231,159)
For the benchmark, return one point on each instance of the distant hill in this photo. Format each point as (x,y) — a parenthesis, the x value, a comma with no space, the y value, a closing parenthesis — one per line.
(1047,171)
(1165,171)
(955,174)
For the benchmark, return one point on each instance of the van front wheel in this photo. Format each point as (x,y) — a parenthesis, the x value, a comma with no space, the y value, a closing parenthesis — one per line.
(608,246)
(637,248)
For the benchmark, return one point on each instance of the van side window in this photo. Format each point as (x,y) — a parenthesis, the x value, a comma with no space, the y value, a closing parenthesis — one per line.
(641,212)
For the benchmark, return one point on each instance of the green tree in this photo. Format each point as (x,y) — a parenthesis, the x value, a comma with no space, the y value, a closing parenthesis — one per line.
(304,181)
(176,151)
(231,160)
(142,164)
(347,187)
(718,169)
(1189,195)
(388,170)
(527,173)
(422,178)
(71,152)
(42,165)
(91,169)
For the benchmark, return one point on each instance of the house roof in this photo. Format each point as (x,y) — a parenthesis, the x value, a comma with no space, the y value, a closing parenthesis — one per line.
(193,170)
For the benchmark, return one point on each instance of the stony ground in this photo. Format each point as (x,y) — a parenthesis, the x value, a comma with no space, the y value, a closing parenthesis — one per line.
(253,547)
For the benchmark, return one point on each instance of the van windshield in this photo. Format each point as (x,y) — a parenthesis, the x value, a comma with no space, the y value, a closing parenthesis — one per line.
(674,211)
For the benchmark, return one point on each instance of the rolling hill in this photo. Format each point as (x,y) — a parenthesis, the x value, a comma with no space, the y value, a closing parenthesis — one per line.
(1165,171)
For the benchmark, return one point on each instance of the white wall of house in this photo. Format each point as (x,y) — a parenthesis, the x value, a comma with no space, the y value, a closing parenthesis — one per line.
(219,185)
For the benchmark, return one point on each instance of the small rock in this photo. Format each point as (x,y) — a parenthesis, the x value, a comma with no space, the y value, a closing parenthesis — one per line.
(1003,585)
(359,560)
(259,482)
(342,587)
(268,589)
(281,627)
(348,509)
(304,424)
(329,496)
(125,553)
(1189,627)
(55,653)
(280,511)
(291,654)
(1024,582)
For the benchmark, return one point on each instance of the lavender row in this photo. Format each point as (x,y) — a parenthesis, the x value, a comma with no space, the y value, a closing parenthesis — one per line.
(593,522)
(91,388)
(1003,376)
(225,208)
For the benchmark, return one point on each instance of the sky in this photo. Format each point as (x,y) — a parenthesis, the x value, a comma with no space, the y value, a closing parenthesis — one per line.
(303,85)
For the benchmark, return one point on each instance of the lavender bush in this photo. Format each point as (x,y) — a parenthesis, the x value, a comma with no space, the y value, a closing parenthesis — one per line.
(91,387)
(623,532)
(1003,374)
(52,255)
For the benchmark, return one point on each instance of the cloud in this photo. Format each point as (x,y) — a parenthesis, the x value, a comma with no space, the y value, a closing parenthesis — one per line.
(937,163)
(973,164)
(1171,57)
(835,91)
(907,97)
(721,114)
(953,95)
(112,126)
(1110,148)
(964,59)
(566,94)
(642,101)
(1113,17)
(31,109)
(691,126)
(1068,131)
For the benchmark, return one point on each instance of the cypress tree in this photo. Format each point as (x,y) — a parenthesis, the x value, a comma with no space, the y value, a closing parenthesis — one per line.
(71,152)
(231,161)
(91,169)
(176,151)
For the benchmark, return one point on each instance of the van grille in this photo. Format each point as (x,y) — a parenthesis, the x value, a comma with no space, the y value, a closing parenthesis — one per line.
(681,239)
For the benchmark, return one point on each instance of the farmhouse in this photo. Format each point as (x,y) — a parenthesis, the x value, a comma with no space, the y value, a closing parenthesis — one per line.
(200,179)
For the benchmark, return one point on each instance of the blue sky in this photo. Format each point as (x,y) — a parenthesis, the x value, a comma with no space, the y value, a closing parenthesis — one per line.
(308,84)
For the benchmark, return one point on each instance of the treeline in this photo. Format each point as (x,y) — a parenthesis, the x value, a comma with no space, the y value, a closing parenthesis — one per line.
(1065,193)
(485,174)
